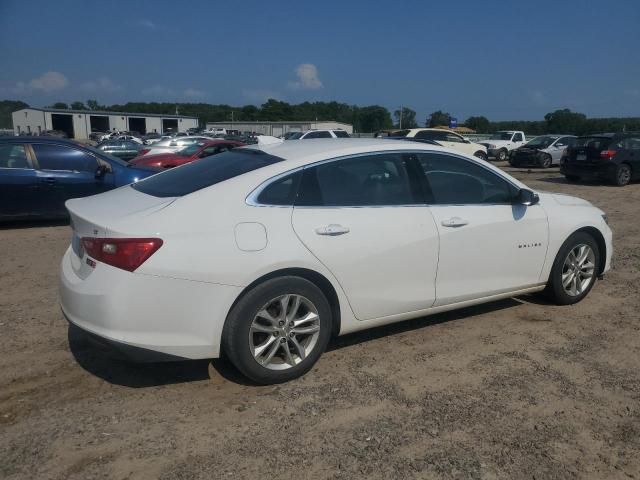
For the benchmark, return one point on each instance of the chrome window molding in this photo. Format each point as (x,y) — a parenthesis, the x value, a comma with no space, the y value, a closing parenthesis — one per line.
(252,198)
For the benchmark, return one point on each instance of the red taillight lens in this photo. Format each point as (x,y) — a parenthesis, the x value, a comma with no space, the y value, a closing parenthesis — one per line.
(608,154)
(144,151)
(125,253)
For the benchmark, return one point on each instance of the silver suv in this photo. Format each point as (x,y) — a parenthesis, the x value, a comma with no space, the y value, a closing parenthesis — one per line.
(338,133)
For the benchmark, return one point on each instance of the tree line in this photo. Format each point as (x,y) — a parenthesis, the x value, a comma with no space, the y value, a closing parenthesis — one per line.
(372,118)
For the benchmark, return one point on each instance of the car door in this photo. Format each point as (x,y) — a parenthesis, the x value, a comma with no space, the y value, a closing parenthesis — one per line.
(19,188)
(66,172)
(488,244)
(557,149)
(363,219)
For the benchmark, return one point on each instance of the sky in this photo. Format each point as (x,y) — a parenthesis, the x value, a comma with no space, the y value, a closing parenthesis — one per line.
(506,60)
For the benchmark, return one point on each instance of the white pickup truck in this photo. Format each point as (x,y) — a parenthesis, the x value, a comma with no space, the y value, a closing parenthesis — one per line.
(501,143)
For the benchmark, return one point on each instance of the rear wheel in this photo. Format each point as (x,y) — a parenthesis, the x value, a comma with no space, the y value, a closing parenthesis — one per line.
(546,161)
(574,270)
(481,155)
(278,330)
(622,175)
(502,154)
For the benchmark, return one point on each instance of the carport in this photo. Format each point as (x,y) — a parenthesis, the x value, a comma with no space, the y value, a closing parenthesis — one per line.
(169,125)
(138,124)
(63,122)
(99,123)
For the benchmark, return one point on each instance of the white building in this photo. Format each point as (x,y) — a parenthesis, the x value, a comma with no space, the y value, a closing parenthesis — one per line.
(80,123)
(280,128)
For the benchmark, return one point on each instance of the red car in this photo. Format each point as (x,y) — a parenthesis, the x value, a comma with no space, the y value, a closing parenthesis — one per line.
(186,155)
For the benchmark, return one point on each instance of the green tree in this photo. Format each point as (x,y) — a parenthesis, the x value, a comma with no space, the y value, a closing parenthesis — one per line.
(60,105)
(438,119)
(78,106)
(405,118)
(7,107)
(479,124)
(564,121)
(373,119)
(94,105)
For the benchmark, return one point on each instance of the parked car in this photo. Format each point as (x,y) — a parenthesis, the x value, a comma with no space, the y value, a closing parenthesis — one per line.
(215,131)
(611,157)
(446,138)
(186,155)
(124,149)
(151,138)
(276,248)
(543,151)
(54,133)
(38,174)
(501,143)
(310,134)
(171,145)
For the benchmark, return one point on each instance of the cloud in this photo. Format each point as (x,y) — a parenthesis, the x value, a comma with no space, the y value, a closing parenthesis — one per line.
(46,83)
(307,74)
(193,93)
(102,84)
(157,91)
(537,97)
(147,23)
(261,96)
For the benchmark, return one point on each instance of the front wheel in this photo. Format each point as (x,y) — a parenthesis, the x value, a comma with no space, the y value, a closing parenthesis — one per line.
(502,155)
(481,155)
(546,161)
(278,330)
(574,270)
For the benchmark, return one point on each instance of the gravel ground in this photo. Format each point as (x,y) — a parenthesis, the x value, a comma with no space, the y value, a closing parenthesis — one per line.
(513,389)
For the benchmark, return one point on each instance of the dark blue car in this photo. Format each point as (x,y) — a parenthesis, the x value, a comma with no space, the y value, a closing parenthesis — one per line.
(38,174)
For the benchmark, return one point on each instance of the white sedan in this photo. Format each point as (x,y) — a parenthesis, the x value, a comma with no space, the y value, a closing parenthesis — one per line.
(265,252)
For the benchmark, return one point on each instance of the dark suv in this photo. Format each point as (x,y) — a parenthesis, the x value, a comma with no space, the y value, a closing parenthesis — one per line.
(612,157)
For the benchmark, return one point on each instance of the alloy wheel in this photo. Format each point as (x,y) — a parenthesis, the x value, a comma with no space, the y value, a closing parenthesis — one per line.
(284,332)
(624,175)
(578,270)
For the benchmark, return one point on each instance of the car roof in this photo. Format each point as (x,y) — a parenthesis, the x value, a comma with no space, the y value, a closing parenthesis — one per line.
(41,139)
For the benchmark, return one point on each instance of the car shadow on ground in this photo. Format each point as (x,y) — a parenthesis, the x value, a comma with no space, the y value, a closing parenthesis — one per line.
(16,225)
(106,364)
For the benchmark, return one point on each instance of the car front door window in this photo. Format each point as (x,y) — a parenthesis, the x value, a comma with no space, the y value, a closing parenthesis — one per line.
(363,217)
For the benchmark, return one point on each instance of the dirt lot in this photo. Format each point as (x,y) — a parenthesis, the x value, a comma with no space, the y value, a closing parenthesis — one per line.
(514,389)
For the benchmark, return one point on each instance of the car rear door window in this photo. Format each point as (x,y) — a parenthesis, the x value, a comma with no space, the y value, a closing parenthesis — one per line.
(13,156)
(281,191)
(205,173)
(452,180)
(60,157)
(370,180)
(341,134)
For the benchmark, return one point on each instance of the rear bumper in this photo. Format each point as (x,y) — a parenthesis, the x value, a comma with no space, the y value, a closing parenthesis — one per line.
(594,171)
(138,313)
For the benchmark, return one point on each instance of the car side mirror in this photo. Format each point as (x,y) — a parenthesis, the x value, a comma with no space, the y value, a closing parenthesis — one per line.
(526,197)
(101,171)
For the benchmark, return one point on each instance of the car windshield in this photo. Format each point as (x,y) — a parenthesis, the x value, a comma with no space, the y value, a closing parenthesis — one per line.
(597,143)
(204,173)
(294,136)
(104,155)
(190,150)
(543,141)
(501,136)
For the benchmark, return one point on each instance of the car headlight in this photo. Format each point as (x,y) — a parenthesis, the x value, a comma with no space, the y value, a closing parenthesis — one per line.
(605,218)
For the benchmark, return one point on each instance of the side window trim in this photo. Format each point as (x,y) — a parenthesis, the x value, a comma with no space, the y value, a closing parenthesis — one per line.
(427,187)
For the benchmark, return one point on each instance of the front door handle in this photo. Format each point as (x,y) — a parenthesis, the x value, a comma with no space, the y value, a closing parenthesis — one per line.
(332,230)
(49,180)
(454,222)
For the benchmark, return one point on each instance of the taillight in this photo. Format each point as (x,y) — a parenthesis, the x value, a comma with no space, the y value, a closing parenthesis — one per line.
(125,253)
(143,151)
(608,154)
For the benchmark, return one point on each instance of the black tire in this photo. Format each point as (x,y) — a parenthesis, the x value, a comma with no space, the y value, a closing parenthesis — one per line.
(554,290)
(623,175)
(235,334)
(501,155)
(546,161)
(572,178)
(481,155)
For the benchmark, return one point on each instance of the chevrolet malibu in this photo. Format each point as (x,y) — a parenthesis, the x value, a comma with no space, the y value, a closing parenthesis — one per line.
(263,253)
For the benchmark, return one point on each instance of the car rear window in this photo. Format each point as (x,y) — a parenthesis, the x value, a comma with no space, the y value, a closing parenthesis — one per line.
(597,143)
(400,133)
(204,173)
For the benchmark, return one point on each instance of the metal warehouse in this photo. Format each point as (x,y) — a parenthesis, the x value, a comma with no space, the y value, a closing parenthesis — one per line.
(80,123)
(280,128)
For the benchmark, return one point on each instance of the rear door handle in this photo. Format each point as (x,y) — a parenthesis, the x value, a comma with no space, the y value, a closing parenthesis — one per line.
(332,230)
(454,222)
(49,180)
